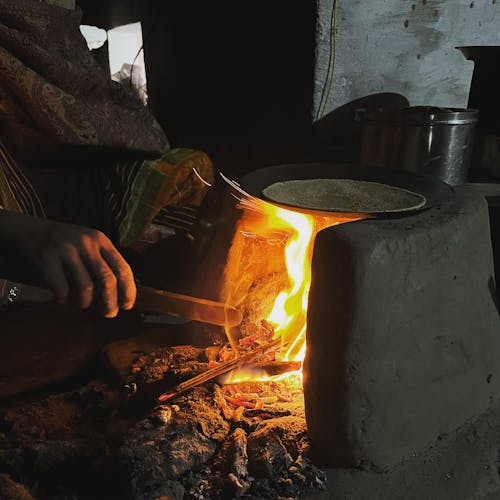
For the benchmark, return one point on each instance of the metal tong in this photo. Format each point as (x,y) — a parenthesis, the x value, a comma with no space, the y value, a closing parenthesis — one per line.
(186,306)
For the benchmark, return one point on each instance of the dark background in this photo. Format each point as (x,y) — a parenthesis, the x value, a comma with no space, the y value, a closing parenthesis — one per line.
(233,79)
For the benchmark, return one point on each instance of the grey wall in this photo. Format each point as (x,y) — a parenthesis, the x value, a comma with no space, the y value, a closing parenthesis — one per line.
(400,46)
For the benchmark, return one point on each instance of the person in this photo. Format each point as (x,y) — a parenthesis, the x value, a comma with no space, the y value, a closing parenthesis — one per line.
(84,167)
(78,265)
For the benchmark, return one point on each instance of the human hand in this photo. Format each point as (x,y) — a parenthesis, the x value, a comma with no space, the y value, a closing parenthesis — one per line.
(79,265)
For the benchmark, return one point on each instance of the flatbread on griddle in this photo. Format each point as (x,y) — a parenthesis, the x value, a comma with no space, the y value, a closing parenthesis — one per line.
(343,195)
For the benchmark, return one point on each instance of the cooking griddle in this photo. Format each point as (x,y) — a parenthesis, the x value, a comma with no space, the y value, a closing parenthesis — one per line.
(434,191)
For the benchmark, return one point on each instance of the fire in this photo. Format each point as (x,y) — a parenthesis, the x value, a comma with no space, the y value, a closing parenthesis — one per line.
(289,313)
(267,235)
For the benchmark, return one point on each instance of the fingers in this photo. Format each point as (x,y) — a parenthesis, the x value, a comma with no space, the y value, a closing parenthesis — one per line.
(82,264)
(112,276)
(55,278)
(106,284)
(78,276)
(125,279)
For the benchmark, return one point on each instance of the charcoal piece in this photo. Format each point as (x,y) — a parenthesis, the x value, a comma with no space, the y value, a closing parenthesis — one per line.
(267,414)
(267,456)
(161,415)
(229,471)
(182,361)
(291,431)
(239,452)
(11,490)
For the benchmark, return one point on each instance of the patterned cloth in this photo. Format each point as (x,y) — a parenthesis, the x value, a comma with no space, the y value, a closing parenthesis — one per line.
(16,192)
(17,195)
(53,92)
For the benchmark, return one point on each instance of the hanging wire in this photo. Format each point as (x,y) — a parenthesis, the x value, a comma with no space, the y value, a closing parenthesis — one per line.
(141,49)
(327,87)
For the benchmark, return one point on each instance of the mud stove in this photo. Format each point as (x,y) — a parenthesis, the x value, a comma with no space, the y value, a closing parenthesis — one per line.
(403,329)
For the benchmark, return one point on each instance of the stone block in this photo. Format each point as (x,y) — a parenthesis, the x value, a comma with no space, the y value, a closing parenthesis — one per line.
(403,339)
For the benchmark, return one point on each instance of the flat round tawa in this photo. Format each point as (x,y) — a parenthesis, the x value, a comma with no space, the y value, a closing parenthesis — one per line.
(430,192)
(343,195)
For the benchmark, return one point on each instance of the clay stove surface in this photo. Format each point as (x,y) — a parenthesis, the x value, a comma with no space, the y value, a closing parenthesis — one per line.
(462,465)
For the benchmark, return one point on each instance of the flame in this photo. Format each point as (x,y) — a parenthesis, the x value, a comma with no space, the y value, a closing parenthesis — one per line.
(289,313)
(296,231)
(284,231)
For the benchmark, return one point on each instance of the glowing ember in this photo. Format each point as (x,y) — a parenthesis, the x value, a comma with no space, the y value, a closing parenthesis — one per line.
(285,238)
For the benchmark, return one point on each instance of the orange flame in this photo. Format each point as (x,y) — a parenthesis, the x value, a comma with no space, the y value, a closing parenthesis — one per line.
(292,232)
(289,314)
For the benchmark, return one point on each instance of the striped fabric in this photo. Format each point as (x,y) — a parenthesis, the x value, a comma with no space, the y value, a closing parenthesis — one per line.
(167,191)
(17,195)
(179,218)
(16,192)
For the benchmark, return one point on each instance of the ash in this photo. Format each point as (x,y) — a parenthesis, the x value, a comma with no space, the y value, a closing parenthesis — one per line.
(243,440)
(216,441)
(189,450)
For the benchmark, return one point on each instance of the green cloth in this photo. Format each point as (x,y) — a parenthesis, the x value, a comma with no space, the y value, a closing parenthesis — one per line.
(138,191)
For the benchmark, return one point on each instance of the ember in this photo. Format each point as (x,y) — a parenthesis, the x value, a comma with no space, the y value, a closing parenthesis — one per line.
(221,440)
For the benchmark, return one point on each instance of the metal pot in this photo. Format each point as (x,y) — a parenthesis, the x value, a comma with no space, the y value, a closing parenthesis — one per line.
(428,140)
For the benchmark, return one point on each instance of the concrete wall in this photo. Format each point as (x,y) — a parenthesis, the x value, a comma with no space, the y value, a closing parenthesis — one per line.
(401,46)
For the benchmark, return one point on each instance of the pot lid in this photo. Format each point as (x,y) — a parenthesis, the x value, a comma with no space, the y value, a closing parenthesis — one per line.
(421,115)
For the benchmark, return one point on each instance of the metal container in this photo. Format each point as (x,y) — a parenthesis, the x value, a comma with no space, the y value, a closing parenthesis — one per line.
(427,140)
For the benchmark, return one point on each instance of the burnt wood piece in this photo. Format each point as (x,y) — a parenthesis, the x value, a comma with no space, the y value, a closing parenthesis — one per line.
(403,333)
(216,371)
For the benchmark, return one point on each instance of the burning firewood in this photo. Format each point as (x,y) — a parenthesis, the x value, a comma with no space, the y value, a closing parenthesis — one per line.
(216,371)
(241,402)
(221,402)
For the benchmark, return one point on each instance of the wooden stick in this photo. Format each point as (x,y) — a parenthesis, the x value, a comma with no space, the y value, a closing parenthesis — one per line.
(216,371)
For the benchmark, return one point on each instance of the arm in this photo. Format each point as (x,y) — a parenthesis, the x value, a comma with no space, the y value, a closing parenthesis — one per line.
(78,264)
